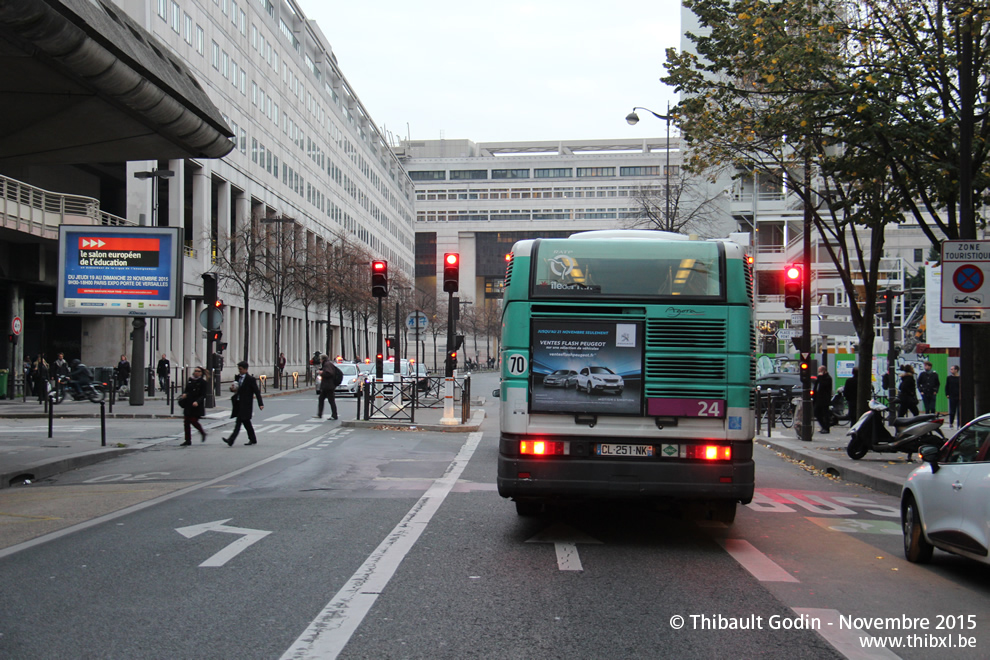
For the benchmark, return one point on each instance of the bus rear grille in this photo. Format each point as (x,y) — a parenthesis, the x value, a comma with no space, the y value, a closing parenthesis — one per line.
(686,367)
(683,335)
(682,391)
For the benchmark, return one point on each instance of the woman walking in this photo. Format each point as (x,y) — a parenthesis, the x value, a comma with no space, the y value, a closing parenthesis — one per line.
(907,392)
(193,403)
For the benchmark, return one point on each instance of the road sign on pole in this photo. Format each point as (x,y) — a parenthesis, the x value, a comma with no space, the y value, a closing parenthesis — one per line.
(965,290)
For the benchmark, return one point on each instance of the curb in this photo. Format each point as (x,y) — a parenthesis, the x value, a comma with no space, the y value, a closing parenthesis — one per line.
(473,424)
(862,474)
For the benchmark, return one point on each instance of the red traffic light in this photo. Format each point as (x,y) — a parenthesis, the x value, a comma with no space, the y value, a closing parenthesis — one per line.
(379,278)
(451,271)
(793,286)
(218,304)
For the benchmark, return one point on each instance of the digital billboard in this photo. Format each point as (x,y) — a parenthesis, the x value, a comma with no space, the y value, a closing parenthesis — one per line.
(120,271)
(587,367)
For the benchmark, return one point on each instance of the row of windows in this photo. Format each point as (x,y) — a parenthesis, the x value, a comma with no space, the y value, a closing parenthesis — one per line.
(540,173)
(513,216)
(532,193)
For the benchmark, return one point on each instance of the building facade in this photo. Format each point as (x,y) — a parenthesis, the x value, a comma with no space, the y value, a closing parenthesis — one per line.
(306,159)
(478,199)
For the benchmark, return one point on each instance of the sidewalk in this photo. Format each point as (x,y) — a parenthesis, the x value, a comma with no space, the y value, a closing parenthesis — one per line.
(885,473)
(22,459)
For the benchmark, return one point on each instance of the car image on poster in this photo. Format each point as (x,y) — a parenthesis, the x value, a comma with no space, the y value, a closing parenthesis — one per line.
(587,367)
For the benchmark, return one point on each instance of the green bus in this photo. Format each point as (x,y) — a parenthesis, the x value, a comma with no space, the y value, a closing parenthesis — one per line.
(627,368)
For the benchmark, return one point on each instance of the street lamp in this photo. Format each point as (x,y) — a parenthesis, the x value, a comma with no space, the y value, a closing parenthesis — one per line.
(632,119)
(136,397)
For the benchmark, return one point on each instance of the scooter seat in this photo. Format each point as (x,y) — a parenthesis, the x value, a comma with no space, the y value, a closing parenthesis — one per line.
(908,421)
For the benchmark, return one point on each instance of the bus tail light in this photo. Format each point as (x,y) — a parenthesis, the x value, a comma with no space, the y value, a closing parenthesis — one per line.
(542,448)
(710,452)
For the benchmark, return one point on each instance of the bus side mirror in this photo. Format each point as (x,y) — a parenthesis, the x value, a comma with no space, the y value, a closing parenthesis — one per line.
(497,393)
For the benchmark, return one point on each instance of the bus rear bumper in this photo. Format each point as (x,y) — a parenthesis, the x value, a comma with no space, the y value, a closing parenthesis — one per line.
(550,479)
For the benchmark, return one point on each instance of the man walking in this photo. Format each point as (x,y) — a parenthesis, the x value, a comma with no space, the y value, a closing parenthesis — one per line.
(163,371)
(245,387)
(822,399)
(330,377)
(928,384)
(952,392)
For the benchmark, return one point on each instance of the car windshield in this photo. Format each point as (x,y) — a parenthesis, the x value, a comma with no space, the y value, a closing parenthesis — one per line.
(348,369)
(560,372)
(601,370)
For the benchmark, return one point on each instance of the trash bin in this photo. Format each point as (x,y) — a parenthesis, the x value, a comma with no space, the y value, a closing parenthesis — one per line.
(3,384)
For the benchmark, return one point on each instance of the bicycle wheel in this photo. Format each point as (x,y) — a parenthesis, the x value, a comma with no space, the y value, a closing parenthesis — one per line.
(786,416)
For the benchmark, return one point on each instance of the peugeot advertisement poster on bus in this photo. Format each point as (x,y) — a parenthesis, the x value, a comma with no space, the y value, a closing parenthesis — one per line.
(587,367)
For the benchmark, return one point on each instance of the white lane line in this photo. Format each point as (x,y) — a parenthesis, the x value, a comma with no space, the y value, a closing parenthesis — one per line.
(330,631)
(846,642)
(6,552)
(762,567)
(281,418)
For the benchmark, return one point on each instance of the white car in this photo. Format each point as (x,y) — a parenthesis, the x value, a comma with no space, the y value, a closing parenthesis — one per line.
(945,503)
(599,379)
(353,379)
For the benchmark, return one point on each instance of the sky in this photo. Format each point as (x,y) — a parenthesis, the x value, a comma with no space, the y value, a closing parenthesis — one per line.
(504,71)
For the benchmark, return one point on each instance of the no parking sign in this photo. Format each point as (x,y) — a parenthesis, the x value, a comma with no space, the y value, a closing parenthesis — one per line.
(965,292)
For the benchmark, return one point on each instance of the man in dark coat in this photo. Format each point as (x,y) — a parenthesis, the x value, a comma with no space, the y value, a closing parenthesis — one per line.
(330,377)
(822,399)
(849,391)
(928,386)
(245,388)
(163,368)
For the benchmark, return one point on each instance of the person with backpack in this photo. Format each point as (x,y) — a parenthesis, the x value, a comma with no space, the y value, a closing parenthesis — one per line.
(330,378)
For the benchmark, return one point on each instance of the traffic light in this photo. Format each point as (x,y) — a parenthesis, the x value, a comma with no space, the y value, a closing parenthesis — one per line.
(379,278)
(216,335)
(221,347)
(793,286)
(210,289)
(885,306)
(458,342)
(388,342)
(451,271)
(218,304)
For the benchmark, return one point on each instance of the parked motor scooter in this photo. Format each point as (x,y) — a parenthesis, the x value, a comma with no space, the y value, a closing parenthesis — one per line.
(870,433)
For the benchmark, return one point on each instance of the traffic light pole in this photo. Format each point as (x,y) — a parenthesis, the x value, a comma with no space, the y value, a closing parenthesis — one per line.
(448,362)
(379,356)
(807,419)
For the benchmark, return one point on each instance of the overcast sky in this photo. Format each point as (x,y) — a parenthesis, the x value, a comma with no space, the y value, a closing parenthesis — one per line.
(499,71)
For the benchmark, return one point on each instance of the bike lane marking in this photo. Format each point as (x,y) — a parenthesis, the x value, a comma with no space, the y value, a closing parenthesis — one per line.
(6,552)
(333,627)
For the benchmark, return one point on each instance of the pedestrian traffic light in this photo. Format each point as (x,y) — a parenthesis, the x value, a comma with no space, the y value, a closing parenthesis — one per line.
(216,335)
(451,271)
(379,278)
(458,342)
(221,347)
(388,342)
(793,286)
(218,304)
(209,289)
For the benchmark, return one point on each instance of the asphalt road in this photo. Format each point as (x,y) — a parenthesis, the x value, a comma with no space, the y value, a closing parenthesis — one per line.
(325,541)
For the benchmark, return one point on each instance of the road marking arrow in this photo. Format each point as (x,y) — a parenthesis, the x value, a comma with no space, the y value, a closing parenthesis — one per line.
(249,537)
(565,539)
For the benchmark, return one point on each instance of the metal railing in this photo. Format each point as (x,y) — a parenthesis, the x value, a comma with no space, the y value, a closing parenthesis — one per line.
(40,212)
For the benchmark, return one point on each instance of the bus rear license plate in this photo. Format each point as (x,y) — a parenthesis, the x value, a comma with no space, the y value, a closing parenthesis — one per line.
(644,451)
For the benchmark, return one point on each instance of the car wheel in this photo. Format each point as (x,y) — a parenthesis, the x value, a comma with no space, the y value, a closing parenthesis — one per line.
(916,548)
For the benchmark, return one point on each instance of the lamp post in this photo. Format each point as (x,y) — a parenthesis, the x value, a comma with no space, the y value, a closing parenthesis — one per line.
(632,119)
(136,397)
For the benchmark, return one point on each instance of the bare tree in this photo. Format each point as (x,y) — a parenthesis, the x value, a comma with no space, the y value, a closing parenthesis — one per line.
(685,205)
(235,260)
(277,270)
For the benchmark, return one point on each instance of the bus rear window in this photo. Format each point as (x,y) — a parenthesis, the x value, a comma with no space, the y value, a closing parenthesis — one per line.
(568,269)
